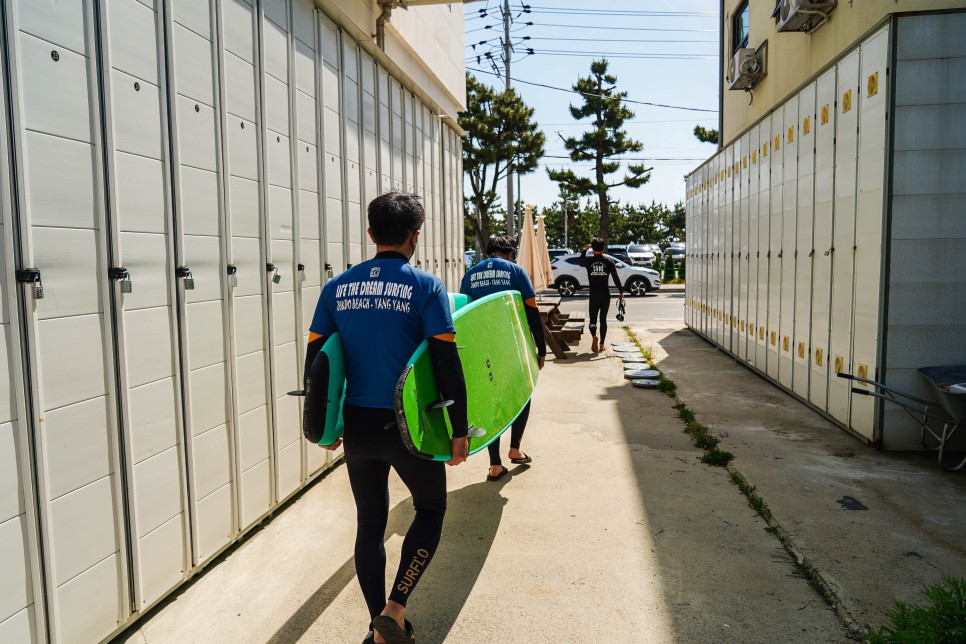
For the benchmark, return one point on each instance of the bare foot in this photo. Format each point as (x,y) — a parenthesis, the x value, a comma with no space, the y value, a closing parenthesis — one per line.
(594,346)
(515,453)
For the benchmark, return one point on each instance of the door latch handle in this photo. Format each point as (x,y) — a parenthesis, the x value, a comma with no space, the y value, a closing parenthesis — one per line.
(31,276)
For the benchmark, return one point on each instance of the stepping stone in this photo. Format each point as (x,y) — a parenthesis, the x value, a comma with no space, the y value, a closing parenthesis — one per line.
(641,373)
(630,357)
(635,366)
(625,346)
(645,383)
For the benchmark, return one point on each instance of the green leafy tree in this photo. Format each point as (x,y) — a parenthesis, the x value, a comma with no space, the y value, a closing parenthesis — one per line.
(705,135)
(501,135)
(603,144)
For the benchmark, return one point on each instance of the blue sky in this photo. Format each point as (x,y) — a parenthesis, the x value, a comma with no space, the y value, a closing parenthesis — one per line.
(682,35)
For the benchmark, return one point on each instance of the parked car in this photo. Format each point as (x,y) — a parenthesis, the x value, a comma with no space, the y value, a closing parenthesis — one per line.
(676,251)
(640,255)
(619,251)
(557,252)
(570,276)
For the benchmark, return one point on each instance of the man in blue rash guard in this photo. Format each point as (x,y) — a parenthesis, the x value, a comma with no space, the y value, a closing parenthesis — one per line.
(383,309)
(499,273)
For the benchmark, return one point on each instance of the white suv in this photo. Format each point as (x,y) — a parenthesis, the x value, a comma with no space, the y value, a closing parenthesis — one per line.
(640,255)
(569,276)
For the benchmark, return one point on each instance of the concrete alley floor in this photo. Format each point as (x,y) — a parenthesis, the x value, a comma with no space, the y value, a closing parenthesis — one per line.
(615,533)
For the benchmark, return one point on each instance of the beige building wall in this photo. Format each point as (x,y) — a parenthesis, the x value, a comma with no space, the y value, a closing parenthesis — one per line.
(794,58)
(424,45)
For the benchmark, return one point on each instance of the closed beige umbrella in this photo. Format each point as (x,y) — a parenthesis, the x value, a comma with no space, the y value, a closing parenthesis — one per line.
(528,254)
(543,253)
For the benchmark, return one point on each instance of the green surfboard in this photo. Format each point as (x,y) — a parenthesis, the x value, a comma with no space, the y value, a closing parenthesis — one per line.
(325,388)
(500,366)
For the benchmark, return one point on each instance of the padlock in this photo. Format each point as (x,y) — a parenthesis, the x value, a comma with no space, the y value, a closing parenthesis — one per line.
(276,278)
(301,272)
(126,285)
(189,283)
(232,275)
(38,289)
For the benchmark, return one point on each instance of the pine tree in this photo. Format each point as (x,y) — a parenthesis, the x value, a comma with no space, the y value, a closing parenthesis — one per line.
(668,268)
(603,144)
(501,134)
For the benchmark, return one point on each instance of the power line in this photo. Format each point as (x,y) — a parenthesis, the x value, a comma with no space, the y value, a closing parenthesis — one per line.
(624,54)
(552,156)
(573,91)
(609,28)
(675,40)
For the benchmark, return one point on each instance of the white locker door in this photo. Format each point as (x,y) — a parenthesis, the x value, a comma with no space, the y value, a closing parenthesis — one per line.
(352,142)
(825,113)
(370,147)
(719,241)
(764,243)
(60,188)
(789,157)
(277,79)
(198,180)
(425,147)
(147,341)
(331,89)
(727,249)
(751,250)
(843,237)
(712,224)
(804,251)
(309,182)
(775,244)
(22,601)
(396,133)
(409,139)
(384,89)
(241,117)
(435,205)
(741,250)
(418,182)
(873,100)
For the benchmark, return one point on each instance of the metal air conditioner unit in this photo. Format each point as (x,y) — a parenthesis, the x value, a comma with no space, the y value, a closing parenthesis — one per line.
(804,15)
(745,71)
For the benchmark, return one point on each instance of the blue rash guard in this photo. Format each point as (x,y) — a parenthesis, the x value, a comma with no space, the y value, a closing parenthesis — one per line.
(383,309)
(494,275)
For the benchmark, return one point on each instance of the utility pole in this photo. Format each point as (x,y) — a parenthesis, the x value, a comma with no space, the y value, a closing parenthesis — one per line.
(507,51)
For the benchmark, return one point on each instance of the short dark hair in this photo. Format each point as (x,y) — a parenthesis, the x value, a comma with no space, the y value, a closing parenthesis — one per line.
(394,216)
(597,244)
(501,244)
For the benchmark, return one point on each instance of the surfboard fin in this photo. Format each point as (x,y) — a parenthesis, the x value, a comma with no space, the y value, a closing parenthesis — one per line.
(439,404)
(297,392)
(475,432)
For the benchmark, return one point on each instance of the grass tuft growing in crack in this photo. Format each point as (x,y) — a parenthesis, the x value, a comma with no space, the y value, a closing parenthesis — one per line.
(754,500)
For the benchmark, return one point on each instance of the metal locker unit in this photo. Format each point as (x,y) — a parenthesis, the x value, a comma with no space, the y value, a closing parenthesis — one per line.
(717,223)
(331,107)
(712,221)
(825,117)
(727,248)
(764,242)
(352,150)
(55,131)
(143,290)
(873,93)
(240,117)
(775,244)
(383,94)
(418,182)
(456,219)
(22,612)
(409,140)
(751,251)
(425,168)
(843,236)
(434,206)
(276,80)
(741,249)
(370,146)
(701,252)
(804,250)
(308,126)
(449,172)
(789,209)
(396,133)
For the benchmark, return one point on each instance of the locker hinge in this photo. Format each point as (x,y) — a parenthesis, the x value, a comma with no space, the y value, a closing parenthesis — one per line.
(31,276)
(781,252)
(811,252)
(231,269)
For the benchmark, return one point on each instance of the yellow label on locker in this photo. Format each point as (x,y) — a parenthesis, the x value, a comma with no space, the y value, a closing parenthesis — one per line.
(744,162)
(754,156)
(791,135)
(839,364)
(742,326)
(785,344)
(806,125)
(776,146)
(819,357)
(774,339)
(764,149)
(862,371)
(846,101)
(751,328)
(729,170)
(825,114)
(761,333)
(873,85)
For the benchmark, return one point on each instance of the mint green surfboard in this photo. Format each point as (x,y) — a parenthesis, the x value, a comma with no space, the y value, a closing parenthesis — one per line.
(325,388)
(500,366)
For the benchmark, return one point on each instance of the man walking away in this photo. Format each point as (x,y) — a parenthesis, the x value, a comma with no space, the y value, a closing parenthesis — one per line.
(495,274)
(599,268)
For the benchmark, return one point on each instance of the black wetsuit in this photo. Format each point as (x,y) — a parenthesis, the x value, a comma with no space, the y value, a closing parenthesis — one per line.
(599,270)
(372,441)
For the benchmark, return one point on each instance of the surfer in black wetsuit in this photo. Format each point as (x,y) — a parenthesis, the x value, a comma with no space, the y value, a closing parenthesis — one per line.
(377,341)
(599,269)
(495,274)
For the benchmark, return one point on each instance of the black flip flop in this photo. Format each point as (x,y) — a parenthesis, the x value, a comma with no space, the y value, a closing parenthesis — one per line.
(370,637)
(391,632)
(521,461)
(503,472)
